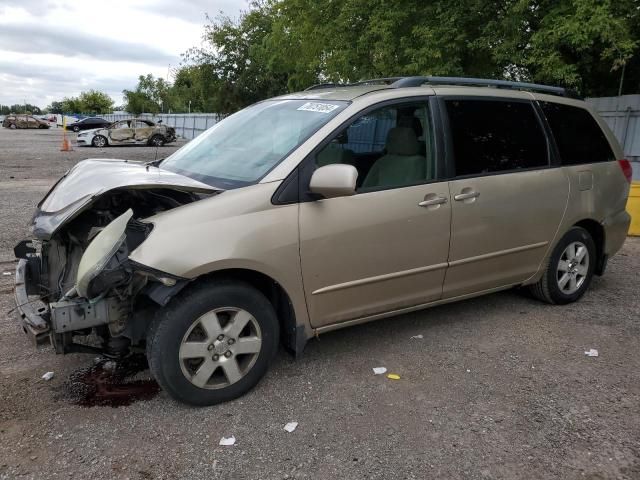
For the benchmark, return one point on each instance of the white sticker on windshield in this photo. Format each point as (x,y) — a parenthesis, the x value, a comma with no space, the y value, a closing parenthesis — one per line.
(318,107)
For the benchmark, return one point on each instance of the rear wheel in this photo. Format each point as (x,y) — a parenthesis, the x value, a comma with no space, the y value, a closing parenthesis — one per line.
(569,270)
(13,126)
(99,141)
(213,343)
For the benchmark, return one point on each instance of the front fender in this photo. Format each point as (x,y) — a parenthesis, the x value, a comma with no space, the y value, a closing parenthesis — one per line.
(237,229)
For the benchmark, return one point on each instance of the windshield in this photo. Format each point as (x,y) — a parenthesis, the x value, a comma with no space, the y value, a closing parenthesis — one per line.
(242,148)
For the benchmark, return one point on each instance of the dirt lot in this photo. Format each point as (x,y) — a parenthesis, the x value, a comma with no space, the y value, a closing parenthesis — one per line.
(498,387)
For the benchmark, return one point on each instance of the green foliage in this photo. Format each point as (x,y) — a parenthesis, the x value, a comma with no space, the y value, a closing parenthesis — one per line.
(17,108)
(90,102)
(93,101)
(278,46)
(151,95)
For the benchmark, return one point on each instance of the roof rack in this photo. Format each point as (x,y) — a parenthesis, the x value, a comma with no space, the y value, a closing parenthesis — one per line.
(405,82)
(483,82)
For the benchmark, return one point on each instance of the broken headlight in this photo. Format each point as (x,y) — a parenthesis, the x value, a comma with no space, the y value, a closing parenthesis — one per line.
(100,251)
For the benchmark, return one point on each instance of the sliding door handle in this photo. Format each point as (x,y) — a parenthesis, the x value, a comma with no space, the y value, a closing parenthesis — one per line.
(466,196)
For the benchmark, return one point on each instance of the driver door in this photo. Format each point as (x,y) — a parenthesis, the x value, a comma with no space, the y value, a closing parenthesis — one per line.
(384,248)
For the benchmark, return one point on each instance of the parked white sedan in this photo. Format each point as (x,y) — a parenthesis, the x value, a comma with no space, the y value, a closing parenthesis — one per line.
(128,132)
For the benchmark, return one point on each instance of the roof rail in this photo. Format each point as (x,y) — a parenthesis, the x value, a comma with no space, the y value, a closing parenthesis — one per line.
(319,86)
(483,82)
(405,82)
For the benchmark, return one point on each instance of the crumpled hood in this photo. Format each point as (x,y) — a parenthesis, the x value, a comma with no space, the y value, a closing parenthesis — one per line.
(91,178)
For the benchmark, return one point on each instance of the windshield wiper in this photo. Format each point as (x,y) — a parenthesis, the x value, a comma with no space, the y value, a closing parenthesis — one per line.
(154,163)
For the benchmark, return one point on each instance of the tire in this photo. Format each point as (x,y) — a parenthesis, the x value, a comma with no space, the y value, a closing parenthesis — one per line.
(13,126)
(99,141)
(193,349)
(566,282)
(156,141)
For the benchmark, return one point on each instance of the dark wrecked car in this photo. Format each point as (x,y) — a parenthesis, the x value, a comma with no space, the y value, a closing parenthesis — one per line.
(128,132)
(23,121)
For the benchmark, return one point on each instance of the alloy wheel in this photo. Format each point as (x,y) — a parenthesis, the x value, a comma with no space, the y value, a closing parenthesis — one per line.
(573,268)
(220,348)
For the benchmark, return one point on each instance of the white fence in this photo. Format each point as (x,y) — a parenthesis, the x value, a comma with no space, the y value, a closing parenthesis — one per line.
(187,125)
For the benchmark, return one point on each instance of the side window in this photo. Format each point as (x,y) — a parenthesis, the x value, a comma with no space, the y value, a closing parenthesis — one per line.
(495,136)
(390,147)
(577,134)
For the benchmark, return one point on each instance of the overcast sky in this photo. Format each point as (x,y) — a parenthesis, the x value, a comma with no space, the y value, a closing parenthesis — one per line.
(50,49)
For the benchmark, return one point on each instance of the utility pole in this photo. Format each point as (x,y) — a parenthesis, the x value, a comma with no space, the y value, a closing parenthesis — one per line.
(189,106)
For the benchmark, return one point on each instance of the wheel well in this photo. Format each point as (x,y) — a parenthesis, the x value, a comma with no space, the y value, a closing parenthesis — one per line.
(596,231)
(290,336)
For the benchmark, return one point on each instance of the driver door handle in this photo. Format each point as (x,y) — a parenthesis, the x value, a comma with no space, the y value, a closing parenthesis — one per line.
(433,201)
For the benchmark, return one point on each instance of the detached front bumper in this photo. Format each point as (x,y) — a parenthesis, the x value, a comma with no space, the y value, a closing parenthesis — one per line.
(33,319)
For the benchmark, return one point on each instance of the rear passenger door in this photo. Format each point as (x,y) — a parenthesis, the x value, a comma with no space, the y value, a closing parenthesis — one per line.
(507,198)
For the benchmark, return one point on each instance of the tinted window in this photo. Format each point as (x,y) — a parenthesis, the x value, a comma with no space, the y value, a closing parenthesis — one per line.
(577,135)
(494,136)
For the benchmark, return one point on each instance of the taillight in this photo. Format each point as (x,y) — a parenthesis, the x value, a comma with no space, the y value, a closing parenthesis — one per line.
(625,165)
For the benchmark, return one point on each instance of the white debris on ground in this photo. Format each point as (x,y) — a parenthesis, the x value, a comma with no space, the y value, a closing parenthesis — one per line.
(418,336)
(591,352)
(379,370)
(6,273)
(110,366)
(291,426)
(228,441)
(47,376)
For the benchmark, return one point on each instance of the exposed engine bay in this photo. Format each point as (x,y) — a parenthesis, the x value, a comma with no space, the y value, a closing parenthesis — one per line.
(82,276)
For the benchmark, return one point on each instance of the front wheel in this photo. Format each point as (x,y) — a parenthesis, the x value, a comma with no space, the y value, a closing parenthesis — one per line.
(157,141)
(76,129)
(213,343)
(99,141)
(569,270)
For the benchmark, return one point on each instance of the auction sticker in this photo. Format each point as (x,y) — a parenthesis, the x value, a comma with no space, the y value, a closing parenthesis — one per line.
(318,107)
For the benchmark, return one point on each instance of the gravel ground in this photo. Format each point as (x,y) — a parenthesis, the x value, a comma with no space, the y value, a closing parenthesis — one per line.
(498,387)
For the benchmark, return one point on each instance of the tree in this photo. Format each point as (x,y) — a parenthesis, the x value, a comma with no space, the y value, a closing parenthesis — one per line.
(55,107)
(151,95)
(96,102)
(287,45)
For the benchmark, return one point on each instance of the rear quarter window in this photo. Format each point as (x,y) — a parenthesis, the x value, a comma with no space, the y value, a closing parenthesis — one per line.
(578,136)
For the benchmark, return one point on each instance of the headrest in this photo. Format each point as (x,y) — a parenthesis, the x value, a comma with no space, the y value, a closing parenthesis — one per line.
(402,141)
(411,122)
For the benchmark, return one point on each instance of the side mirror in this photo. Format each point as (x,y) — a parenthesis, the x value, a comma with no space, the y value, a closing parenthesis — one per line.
(337,180)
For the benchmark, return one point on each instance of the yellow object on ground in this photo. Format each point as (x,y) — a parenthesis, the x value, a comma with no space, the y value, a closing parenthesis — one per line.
(633,207)
(393,376)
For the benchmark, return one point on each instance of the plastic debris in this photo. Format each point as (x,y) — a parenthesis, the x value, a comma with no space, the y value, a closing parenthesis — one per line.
(291,426)
(47,376)
(228,441)
(591,353)
(418,336)
(379,370)
(6,273)
(468,371)
(393,376)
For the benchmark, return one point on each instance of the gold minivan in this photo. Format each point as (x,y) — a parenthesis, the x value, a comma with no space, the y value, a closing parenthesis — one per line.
(319,210)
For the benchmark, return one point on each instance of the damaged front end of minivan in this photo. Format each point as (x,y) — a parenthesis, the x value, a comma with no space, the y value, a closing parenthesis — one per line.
(75,284)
